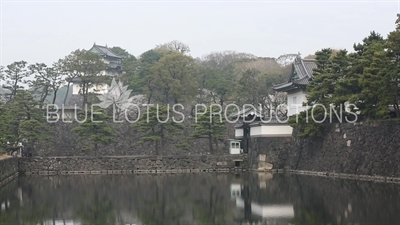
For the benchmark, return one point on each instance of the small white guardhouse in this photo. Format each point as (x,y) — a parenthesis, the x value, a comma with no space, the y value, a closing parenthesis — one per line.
(235,147)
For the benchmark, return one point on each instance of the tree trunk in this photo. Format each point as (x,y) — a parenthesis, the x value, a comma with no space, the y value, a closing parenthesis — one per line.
(55,96)
(216,144)
(44,94)
(84,95)
(66,94)
(162,140)
(210,143)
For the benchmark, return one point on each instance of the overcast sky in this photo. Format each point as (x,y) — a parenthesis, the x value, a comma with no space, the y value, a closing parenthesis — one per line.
(48,30)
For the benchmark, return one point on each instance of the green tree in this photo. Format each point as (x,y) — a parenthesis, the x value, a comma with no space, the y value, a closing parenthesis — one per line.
(138,76)
(173,79)
(156,125)
(324,93)
(1,72)
(209,125)
(94,131)
(249,88)
(8,127)
(48,80)
(87,67)
(130,69)
(220,84)
(375,82)
(15,75)
(33,132)
(393,52)
(13,117)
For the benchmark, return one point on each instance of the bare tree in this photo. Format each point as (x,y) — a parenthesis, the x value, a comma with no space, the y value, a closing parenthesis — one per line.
(286,59)
(175,46)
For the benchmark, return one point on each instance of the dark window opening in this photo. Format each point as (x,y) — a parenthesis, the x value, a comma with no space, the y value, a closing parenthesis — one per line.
(237,163)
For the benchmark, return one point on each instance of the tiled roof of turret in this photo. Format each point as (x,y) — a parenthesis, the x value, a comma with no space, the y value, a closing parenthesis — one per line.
(105,51)
(302,73)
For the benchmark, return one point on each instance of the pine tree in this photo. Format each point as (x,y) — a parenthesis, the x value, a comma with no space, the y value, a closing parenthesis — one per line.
(94,132)
(156,125)
(393,50)
(209,125)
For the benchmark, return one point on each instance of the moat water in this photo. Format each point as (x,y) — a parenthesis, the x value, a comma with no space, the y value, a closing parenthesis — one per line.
(202,199)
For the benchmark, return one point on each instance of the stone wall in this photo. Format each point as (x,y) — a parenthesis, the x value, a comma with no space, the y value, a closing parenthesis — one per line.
(361,148)
(137,164)
(275,150)
(8,170)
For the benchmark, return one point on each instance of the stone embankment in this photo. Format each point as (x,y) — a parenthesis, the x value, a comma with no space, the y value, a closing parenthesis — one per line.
(366,151)
(362,149)
(8,170)
(132,164)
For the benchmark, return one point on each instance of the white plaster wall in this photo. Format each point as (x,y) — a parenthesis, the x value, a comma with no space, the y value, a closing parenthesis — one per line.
(271,131)
(238,132)
(296,107)
(75,89)
(277,130)
(256,131)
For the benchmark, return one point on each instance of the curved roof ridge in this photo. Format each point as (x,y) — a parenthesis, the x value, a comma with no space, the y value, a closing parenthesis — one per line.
(304,67)
(106,51)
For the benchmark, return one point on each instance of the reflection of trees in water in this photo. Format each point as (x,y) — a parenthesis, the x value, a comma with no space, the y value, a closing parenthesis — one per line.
(18,212)
(185,199)
(120,199)
(96,210)
(194,199)
(160,209)
(309,214)
(211,210)
(341,201)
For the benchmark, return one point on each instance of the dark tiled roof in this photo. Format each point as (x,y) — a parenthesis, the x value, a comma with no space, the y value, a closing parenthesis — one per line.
(302,81)
(269,120)
(105,51)
(246,112)
(303,69)
(309,65)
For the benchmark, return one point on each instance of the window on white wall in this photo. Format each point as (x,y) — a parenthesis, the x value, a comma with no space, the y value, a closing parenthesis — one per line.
(294,100)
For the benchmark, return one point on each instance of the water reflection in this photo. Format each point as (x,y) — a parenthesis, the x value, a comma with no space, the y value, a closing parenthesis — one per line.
(196,199)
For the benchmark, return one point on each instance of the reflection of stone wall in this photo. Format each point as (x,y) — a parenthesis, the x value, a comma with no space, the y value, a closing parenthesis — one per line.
(8,170)
(339,201)
(127,164)
(362,149)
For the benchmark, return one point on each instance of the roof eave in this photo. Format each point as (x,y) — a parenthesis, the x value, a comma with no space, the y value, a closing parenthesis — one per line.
(289,88)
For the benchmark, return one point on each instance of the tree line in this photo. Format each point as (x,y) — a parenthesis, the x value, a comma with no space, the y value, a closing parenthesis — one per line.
(166,74)
(368,78)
